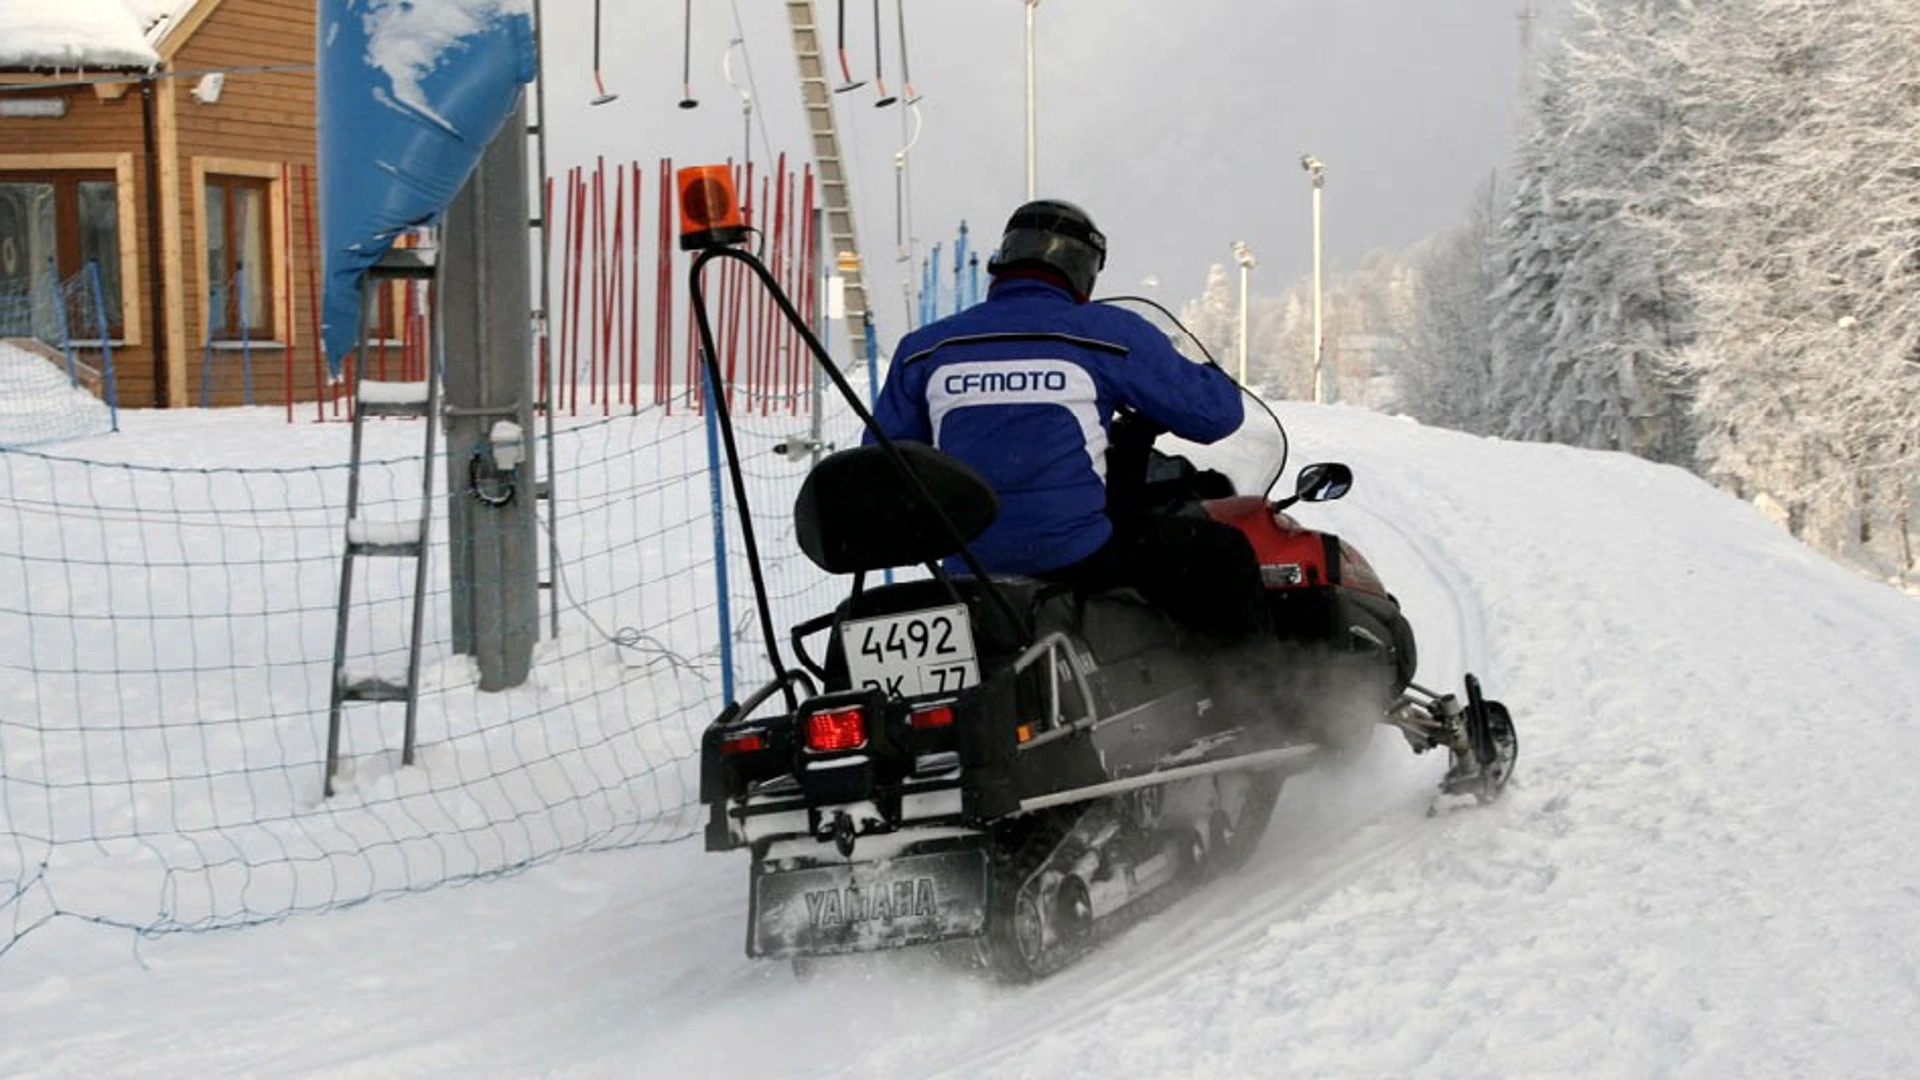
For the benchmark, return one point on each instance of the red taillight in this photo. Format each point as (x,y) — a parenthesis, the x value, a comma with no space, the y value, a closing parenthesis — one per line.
(933,716)
(744,743)
(836,729)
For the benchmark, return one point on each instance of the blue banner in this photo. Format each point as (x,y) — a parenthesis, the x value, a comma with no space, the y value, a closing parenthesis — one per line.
(410,94)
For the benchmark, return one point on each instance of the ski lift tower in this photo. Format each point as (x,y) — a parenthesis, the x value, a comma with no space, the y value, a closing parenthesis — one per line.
(835,196)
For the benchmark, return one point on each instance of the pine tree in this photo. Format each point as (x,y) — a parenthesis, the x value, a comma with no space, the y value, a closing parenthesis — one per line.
(1809,372)
(1592,311)
(1445,374)
(1214,317)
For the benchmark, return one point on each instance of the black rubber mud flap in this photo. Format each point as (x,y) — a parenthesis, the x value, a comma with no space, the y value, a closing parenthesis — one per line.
(989,748)
(830,907)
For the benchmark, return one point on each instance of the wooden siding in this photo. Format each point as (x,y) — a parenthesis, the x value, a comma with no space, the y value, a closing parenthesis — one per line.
(98,133)
(262,126)
(262,123)
(90,126)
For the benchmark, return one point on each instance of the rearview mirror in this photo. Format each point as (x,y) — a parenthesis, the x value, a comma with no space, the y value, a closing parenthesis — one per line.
(1323,481)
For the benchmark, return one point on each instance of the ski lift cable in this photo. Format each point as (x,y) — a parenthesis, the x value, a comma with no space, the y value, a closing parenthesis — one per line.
(904,240)
(911,123)
(746,100)
(753,88)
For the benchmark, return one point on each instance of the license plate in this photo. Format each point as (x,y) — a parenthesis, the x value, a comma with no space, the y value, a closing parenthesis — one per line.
(918,652)
(855,907)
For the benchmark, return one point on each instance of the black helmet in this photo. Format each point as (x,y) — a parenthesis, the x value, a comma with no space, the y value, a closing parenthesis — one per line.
(1057,235)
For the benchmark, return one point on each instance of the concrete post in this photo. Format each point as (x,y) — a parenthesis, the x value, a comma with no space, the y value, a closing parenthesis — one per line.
(486,302)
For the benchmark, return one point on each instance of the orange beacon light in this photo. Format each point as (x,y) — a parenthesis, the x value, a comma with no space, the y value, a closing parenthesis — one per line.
(709,209)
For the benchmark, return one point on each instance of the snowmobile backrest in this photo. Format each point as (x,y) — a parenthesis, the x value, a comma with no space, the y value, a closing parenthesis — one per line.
(856,512)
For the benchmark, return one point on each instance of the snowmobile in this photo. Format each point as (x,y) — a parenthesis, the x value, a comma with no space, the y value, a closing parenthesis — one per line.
(1017,768)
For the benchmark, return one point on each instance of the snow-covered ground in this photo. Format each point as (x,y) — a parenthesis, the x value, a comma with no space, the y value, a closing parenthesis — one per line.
(1704,868)
(39,404)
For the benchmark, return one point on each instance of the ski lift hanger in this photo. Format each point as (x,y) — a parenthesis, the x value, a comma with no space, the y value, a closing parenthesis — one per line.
(600,95)
(687,100)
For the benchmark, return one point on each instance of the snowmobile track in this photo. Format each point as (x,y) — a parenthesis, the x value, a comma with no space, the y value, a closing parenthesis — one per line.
(1210,922)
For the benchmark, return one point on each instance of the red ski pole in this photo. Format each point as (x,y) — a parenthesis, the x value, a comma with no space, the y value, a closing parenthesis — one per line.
(313,299)
(633,324)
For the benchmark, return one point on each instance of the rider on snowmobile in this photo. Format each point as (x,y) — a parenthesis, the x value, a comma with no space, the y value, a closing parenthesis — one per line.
(1034,386)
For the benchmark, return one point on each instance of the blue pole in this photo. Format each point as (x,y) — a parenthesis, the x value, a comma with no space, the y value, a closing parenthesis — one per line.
(60,311)
(246,345)
(725,600)
(873,361)
(959,266)
(973,280)
(873,383)
(106,343)
(929,281)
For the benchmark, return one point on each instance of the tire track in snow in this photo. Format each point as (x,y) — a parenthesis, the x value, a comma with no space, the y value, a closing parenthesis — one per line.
(1214,922)
(1469,614)
(1196,932)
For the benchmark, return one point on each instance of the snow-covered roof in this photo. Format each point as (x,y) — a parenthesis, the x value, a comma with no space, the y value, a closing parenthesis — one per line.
(75,34)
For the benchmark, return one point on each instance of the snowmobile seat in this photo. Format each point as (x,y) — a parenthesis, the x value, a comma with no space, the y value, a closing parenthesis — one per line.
(857,512)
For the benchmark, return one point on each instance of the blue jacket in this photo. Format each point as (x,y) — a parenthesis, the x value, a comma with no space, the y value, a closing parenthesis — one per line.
(1023,387)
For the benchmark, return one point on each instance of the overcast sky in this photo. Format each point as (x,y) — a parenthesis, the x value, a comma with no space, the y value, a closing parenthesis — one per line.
(1178,123)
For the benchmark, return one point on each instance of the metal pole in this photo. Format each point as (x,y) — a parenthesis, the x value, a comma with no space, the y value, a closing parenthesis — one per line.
(1317,170)
(815,377)
(543,318)
(1032,173)
(66,335)
(246,345)
(106,342)
(873,385)
(723,590)
(1244,256)
(1243,324)
(1319,333)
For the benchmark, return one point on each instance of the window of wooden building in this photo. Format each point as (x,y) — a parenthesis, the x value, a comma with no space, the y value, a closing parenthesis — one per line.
(239,253)
(58,222)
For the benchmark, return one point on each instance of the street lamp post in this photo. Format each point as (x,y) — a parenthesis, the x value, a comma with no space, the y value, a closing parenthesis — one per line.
(1244,256)
(1032,139)
(1318,171)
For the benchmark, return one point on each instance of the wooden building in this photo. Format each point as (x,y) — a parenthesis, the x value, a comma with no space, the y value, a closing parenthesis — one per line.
(187,174)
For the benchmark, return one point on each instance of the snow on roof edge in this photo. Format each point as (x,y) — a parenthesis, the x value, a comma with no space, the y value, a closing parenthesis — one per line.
(80,34)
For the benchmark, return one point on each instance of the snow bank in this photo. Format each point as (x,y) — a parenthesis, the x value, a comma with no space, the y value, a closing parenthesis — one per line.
(40,404)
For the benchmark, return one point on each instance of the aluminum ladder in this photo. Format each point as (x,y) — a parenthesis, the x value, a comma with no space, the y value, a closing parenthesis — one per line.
(547,393)
(835,197)
(403,539)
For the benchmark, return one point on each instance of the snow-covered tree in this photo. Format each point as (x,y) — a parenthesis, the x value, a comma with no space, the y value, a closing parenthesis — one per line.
(1215,317)
(1445,373)
(1809,367)
(1592,311)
